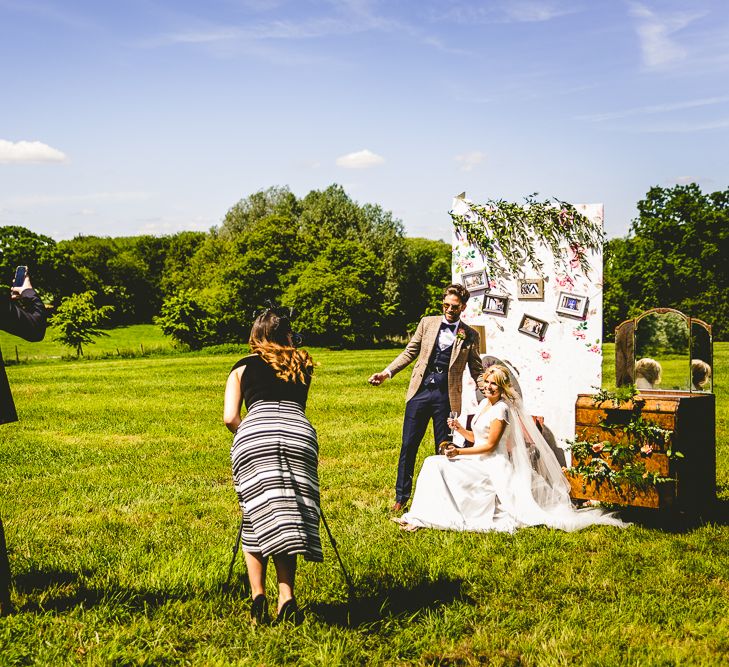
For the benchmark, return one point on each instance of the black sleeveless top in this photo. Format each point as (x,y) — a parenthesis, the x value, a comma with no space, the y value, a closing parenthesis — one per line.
(261,384)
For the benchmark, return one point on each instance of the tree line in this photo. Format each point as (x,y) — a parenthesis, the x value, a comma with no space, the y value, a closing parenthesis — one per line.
(350,272)
(674,256)
(348,269)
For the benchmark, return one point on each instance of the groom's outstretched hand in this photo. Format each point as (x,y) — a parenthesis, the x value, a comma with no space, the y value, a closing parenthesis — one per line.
(377,379)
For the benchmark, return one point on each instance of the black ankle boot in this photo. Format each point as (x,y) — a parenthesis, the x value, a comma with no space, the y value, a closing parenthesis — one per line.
(289,613)
(259,610)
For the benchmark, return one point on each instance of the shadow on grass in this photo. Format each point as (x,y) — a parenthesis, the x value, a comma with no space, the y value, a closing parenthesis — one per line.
(676,522)
(40,580)
(390,603)
(60,590)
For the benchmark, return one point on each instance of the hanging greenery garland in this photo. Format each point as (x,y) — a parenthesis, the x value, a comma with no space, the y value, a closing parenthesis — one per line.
(507,234)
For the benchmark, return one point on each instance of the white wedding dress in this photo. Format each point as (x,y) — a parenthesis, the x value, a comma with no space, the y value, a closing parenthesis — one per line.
(518,483)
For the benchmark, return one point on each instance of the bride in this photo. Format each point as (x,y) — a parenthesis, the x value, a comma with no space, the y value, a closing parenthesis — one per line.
(510,478)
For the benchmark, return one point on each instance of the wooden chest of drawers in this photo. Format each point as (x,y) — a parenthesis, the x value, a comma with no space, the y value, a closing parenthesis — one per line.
(690,418)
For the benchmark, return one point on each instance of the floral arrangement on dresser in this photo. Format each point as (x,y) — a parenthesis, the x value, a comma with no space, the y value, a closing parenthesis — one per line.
(622,457)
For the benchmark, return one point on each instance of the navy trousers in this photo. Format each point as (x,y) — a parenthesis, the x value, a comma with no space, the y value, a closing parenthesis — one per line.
(431,402)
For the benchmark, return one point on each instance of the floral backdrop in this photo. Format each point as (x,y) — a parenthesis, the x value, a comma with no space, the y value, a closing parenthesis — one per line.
(568,361)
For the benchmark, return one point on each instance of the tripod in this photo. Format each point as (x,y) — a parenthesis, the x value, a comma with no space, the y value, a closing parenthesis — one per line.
(236,547)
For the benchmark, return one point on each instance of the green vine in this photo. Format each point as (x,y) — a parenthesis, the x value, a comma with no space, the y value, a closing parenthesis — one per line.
(621,464)
(507,234)
(634,476)
(640,431)
(617,398)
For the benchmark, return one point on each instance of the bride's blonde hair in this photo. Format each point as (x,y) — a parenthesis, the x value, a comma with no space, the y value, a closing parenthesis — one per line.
(269,339)
(503,381)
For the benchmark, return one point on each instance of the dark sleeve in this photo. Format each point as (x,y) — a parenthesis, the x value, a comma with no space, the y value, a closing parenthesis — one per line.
(242,362)
(24,317)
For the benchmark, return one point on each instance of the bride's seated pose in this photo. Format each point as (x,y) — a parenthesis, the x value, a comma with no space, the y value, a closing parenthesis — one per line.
(501,483)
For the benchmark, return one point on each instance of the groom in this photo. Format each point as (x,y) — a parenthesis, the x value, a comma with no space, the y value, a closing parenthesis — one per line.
(443,346)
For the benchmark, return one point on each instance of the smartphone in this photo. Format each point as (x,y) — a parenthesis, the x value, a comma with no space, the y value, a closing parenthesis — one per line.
(20,274)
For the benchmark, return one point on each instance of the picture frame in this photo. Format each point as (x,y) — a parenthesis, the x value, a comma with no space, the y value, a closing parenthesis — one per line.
(530,288)
(533,326)
(475,281)
(572,305)
(495,304)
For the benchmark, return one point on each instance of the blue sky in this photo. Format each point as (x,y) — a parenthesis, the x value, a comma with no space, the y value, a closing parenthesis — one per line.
(154,116)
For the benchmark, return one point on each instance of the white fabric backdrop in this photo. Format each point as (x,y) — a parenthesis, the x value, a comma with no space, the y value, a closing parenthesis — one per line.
(569,359)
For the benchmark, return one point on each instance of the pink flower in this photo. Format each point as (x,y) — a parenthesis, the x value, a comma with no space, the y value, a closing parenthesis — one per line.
(646,450)
(539,378)
(575,259)
(545,355)
(598,447)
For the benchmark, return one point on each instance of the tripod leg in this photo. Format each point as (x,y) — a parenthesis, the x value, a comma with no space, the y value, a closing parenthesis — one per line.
(4,574)
(236,546)
(350,585)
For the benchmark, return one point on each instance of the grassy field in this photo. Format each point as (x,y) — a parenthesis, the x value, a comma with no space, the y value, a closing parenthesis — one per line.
(120,514)
(136,340)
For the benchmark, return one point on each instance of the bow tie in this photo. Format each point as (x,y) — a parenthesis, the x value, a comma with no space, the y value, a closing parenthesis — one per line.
(450,327)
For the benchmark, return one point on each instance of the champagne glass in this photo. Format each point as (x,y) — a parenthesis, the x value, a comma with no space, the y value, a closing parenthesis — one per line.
(452,415)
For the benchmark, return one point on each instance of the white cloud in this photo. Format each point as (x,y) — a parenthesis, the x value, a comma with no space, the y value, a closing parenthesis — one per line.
(33,201)
(29,151)
(687,127)
(172,224)
(656,35)
(363,159)
(469,160)
(654,108)
(507,11)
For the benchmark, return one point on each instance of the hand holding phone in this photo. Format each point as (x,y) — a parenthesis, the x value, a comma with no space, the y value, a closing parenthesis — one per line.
(20,282)
(20,274)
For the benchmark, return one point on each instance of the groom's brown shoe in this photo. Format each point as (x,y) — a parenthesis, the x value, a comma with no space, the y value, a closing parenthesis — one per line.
(397,507)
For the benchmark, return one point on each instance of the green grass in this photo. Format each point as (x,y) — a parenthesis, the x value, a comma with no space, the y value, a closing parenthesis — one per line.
(134,340)
(120,514)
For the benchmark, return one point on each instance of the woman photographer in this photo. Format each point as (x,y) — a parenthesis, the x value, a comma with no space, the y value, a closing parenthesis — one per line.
(275,457)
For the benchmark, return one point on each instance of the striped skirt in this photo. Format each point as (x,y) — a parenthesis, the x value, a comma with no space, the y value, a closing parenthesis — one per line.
(275,455)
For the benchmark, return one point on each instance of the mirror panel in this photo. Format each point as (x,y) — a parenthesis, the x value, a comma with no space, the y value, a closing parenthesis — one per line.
(662,351)
(624,353)
(702,362)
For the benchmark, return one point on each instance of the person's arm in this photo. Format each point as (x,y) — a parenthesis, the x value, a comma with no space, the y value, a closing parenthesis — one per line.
(233,399)
(475,365)
(27,320)
(496,430)
(410,352)
(458,428)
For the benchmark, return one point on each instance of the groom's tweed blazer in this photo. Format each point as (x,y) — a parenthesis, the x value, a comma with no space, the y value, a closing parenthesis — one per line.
(465,351)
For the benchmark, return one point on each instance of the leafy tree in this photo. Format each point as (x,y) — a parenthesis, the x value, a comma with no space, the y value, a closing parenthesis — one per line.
(180,250)
(185,320)
(338,295)
(675,256)
(77,320)
(49,267)
(262,204)
(427,272)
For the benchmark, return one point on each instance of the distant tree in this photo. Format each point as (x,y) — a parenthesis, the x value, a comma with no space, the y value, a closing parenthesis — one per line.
(180,251)
(77,320)
(185,320)
(427,272)
(338,296)
(675,256)
(49,267)
(274,201)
